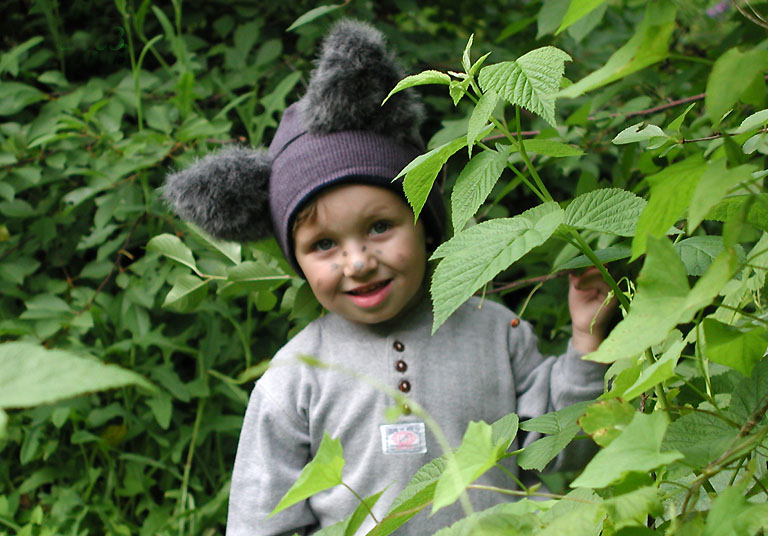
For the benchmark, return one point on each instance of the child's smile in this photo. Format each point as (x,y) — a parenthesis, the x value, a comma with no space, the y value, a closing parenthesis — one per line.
(361,254)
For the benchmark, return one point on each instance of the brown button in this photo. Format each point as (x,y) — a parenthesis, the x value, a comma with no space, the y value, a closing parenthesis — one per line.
(399,346)
(404,386)
(514,322)
(406,409)
(401,366)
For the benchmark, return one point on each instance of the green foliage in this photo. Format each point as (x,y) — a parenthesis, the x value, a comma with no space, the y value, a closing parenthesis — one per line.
(97,105)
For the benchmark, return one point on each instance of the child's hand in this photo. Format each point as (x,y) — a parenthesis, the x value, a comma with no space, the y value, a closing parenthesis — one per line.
(586,296)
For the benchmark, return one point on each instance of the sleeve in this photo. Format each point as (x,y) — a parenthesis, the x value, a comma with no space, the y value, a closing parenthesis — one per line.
(546,384)
(273,449)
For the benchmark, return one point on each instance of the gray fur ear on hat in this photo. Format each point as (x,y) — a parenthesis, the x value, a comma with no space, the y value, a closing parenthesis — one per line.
(225,193)
(353,75)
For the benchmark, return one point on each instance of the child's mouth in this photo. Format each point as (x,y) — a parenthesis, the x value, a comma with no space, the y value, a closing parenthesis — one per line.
(370,295)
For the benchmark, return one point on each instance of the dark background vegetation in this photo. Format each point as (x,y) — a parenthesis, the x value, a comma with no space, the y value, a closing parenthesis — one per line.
(80,168)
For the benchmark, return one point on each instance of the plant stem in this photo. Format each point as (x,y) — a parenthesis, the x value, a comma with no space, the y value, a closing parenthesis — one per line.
(524,154)
(519,493)
(582,245)
(362,501)
(188,465)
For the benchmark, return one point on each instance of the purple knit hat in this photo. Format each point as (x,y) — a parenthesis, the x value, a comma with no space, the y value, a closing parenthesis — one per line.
(338,132)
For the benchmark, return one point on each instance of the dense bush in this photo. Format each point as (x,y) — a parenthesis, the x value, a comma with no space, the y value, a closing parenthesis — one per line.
(652,164)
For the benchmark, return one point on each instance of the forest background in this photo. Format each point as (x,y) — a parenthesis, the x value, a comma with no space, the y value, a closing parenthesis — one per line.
(129,340)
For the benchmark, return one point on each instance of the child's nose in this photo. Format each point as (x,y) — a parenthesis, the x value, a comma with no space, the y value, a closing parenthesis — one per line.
(360,261)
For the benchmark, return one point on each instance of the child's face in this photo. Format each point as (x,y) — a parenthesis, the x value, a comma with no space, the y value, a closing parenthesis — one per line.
(361,254)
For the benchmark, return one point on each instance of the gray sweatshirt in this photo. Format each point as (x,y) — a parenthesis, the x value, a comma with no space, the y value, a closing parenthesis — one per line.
(480,365)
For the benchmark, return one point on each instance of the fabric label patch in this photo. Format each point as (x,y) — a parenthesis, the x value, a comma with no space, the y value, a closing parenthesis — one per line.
(403,438)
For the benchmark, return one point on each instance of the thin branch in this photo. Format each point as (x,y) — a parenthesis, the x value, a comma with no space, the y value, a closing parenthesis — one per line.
(527,281)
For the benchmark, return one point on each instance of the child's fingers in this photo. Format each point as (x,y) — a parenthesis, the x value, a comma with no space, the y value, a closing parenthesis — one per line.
(589,278)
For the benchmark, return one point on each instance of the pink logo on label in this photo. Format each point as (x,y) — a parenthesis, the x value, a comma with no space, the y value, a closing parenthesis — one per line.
(404,439)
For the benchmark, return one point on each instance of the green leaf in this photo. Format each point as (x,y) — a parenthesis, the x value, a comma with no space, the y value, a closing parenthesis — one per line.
(637,449)
(581,512)
(649,45)
(421,172)
(551,148)
(732,515)
(9,62)
(605,420)
(609,210)
(3,425)
(479,118)
(700,437)
(698,252)
(677,122)
(721,92)
(632,509)
(576,10)
(499,520)
(311,15)
(671,192)
(476,454)
(714,184)
(561,425)
(728,345)
(531,81)
(413,499)
(30,375)
(657,372)
(663,301)
(474,256)
(253,275)
(474,184)
(732,208)
(231,250)
(641,132)
(421,79)
(173,248)
(322,473)
(186,294)
(752,122)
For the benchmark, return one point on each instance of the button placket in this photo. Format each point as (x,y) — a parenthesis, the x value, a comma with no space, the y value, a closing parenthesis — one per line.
(401,366)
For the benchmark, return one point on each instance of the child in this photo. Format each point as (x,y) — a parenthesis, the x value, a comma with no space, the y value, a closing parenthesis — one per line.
(348,230)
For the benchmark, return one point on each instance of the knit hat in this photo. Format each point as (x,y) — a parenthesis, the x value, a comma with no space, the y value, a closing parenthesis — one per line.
(337,133)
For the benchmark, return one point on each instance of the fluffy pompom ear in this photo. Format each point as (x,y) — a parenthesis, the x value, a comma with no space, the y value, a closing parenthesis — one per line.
(354,73)
(226,194)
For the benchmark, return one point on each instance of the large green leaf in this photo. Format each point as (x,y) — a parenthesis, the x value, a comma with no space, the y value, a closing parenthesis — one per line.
(31,375)
(186,294)
(728,345)
(722,93)
(608,210)
(421,172)
(500,520)
(632,509)
(659,371)
(562,426)
(605,420)
(671,192)
(712,187)
(322,473)
(732,515)
(649,45)
(576,10)
(698,252)
(701,437)
(473,257)
(551,148)
(254,275)
(173,248)
(663,301)
(531,81)
(474,184)
(478,452)
(416,496)
(637,449)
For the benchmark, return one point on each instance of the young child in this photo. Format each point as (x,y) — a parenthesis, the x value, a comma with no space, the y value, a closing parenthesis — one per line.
(348,230)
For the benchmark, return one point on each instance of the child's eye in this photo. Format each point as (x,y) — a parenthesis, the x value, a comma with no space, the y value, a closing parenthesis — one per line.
(324,244)
(380,227)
